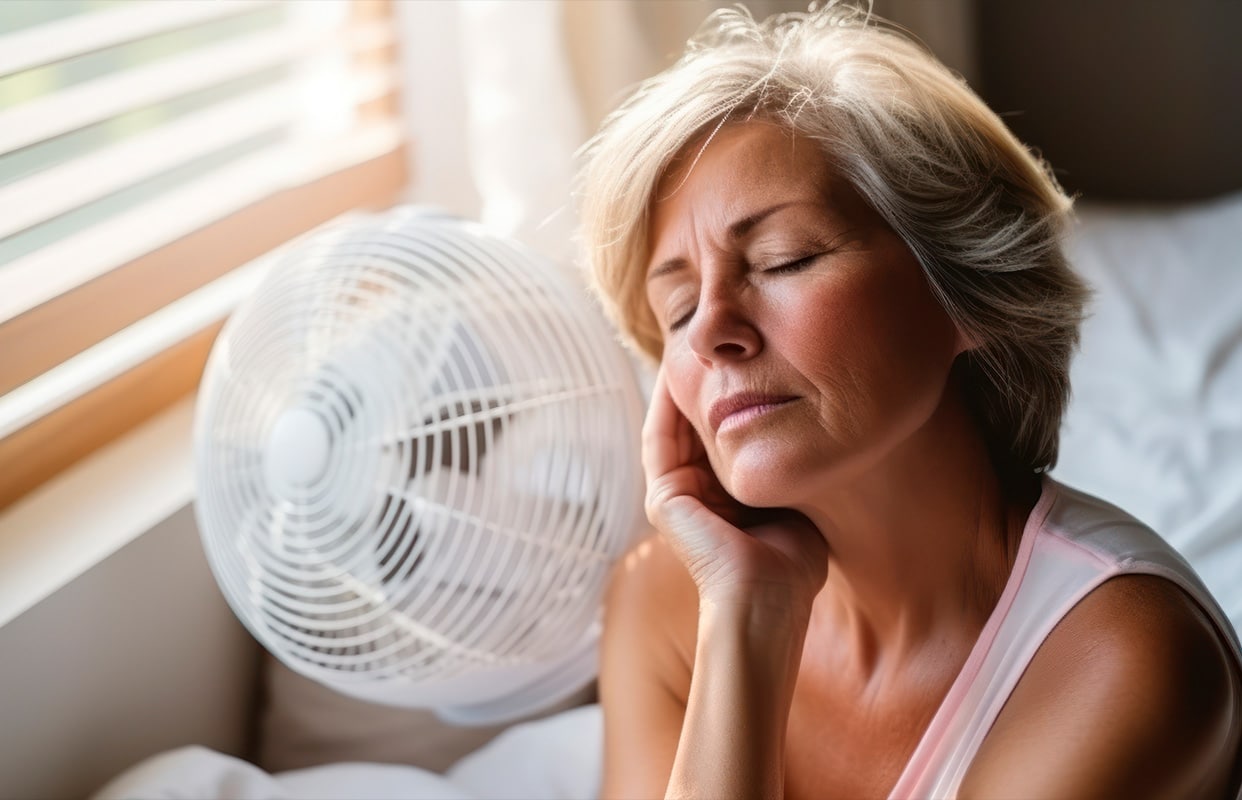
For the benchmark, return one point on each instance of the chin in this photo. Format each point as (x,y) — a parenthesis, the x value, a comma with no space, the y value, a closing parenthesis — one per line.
(762,498)
(761,482)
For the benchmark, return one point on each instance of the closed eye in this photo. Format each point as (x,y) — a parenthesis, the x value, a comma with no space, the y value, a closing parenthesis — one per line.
(681,321)
(794,266)
(788,267)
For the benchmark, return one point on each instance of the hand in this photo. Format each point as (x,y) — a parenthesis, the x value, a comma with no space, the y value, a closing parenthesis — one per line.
(733,552)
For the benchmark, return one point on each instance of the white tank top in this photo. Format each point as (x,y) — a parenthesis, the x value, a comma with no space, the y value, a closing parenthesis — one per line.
(1071,544)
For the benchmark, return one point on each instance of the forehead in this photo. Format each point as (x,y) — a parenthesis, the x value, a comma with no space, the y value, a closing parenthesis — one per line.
(720,187)
(742,164)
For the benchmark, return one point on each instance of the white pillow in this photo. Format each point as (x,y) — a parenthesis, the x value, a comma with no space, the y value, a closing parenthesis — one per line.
(1155,423)
(304,724)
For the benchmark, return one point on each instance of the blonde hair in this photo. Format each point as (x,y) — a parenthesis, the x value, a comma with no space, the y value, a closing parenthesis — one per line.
(983,216)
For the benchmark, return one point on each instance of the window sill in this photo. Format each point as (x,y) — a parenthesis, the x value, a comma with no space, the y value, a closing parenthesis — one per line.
(83,515)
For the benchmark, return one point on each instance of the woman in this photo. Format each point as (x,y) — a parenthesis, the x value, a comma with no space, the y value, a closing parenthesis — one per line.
(852,278)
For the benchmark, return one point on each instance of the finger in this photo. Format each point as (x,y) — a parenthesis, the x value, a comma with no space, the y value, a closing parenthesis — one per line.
(671,427)
(664,431)
(689,444)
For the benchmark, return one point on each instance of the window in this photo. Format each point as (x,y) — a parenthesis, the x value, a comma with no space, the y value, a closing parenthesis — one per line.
(148,150)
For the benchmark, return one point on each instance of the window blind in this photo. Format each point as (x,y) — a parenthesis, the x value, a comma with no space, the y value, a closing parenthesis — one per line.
(148,148)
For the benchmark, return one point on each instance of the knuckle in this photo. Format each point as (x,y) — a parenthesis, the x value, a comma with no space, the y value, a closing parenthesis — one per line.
(653,507)
(655,503)
(650,438)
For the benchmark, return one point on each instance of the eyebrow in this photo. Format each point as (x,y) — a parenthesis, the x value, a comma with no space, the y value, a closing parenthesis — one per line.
(737,230)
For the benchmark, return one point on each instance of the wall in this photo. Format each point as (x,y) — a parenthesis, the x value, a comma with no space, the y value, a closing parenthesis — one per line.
(137,655)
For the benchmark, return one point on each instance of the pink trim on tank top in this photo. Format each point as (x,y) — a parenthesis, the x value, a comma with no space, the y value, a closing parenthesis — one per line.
(1061,559)
(911,776)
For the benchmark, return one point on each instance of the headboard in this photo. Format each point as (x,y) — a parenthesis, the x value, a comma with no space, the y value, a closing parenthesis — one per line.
(1129,101)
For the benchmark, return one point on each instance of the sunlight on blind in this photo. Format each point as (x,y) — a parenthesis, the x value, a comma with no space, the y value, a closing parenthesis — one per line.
(151,153)
(145,99)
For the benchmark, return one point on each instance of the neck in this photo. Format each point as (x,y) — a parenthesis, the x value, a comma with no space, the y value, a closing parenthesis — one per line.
(922,543)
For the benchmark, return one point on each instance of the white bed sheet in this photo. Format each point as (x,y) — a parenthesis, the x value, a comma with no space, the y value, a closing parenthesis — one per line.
(556,758)
(1155,423)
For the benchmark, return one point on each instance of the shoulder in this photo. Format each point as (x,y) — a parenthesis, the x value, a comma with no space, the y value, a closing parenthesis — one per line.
(646,659)
(1134,693)
(651,604)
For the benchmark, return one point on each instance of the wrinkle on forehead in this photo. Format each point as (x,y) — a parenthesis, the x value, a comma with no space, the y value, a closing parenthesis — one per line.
(758,164)
(682,164)
(762,162)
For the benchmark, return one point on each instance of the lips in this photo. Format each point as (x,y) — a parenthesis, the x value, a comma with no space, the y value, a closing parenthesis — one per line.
(726,407)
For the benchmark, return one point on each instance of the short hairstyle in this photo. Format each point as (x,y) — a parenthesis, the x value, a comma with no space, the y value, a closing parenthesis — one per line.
(983,216)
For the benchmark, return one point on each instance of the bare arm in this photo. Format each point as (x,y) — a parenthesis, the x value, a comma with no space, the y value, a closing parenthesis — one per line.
(733,740)
(755,576)
(645,662)
(1132,695)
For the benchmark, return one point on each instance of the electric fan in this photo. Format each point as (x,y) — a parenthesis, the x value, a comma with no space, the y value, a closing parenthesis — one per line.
(416,451)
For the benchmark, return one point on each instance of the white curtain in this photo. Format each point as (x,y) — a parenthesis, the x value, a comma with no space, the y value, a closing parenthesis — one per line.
(500,93)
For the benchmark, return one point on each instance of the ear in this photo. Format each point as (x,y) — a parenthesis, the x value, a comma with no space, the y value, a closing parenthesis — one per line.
(964,342)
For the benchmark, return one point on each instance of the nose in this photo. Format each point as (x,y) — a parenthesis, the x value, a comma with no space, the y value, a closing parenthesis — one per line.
(723,326)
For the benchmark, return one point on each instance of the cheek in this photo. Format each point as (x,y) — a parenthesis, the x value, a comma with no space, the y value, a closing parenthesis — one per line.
(827,328)
(678,365)
(827,323)
(683,376)
(877,339)
(920,331)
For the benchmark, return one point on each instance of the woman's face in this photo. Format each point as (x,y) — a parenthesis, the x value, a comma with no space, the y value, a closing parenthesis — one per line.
(800,337)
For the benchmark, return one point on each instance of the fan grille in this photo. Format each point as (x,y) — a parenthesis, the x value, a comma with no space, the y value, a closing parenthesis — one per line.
(416,451)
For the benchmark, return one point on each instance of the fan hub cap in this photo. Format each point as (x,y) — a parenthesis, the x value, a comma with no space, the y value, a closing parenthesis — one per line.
(298,450)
